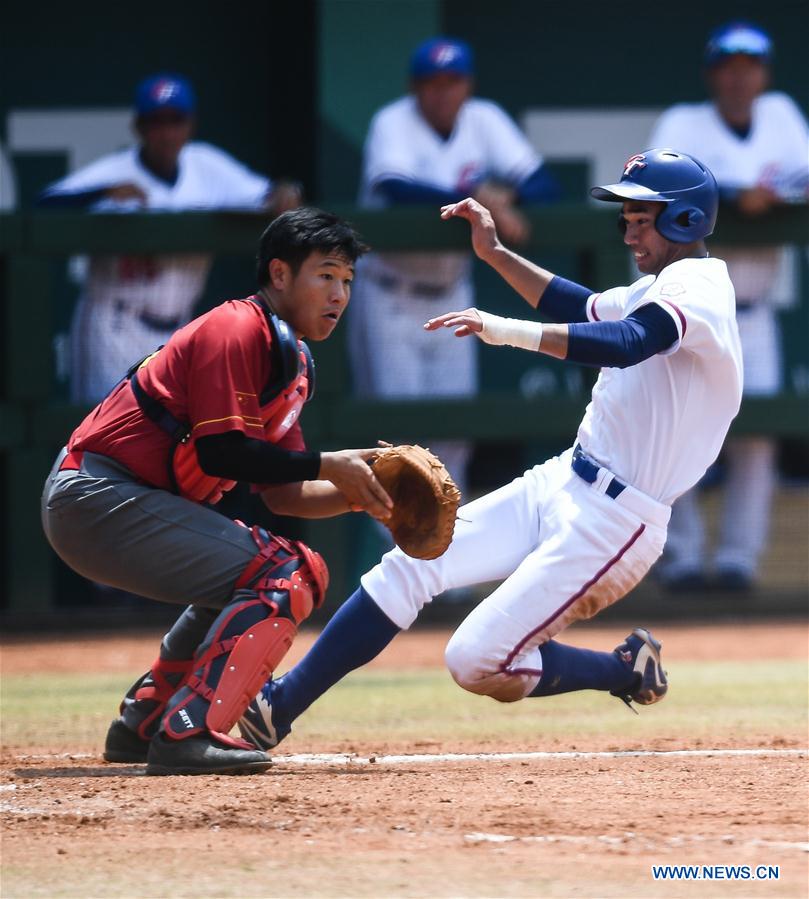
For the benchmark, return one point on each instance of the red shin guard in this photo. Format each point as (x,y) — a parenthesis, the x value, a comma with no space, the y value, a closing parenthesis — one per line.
(249,639)
(256,655)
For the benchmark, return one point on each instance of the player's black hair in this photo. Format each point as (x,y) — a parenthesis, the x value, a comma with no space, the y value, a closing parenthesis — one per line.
(294,235)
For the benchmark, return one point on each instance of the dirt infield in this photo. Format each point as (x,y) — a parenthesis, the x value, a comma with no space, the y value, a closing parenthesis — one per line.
(585,826)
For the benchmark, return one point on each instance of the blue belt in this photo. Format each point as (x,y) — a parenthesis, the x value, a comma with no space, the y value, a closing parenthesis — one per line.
(587,469)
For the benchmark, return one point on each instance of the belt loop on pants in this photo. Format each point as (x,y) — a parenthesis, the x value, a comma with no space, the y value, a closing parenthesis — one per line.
(602,479)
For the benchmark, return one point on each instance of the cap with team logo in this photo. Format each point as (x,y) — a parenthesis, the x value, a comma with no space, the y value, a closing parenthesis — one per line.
(441,54)
(738,38)
(164,92)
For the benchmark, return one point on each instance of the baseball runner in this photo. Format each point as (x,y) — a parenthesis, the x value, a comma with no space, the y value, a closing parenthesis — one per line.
(131,304)
(126,503)
(757,145)
(436,145)
(575,534)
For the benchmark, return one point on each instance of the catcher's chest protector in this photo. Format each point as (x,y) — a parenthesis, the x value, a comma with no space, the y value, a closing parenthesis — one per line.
(292,385)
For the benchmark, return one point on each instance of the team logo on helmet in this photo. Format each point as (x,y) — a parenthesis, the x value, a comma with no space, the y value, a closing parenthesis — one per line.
(164,90)
(444,54)
(634,162)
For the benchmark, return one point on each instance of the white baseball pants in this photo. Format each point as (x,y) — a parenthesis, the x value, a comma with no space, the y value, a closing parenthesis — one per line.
(563,550)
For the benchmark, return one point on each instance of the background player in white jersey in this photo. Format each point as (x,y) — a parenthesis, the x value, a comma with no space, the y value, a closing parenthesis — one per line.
(756,143)
(132,304)
(436,145)
(578,532)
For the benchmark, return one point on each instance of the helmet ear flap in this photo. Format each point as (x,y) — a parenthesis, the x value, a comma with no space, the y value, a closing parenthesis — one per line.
(681,224)
(691,218)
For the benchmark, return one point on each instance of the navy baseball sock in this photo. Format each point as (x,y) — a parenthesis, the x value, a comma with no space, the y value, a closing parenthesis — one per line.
(568,668)
(357,633)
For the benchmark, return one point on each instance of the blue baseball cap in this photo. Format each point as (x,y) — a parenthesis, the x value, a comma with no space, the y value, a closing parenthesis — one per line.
(441,54)
(164,92)
(738,37)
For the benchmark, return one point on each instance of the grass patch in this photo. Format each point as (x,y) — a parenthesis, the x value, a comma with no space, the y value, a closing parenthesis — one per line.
(718,699)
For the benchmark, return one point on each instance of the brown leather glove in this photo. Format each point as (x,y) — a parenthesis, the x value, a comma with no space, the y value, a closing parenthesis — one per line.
(425,499)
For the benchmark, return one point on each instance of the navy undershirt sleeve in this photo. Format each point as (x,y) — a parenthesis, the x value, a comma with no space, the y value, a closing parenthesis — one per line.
(643,334)
(238,458)
(403,190)
(565,301)
(539,187)
(78,200)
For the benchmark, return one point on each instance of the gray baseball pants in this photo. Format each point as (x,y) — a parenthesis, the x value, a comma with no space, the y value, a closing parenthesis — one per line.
(112,529)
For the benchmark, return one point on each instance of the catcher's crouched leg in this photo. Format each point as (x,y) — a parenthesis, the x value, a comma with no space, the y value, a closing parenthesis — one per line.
(251,635)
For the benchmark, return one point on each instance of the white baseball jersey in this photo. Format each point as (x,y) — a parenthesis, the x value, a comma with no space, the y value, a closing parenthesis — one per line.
(563,547)
(131,304)
(774,154)
(660,424)
(401,144)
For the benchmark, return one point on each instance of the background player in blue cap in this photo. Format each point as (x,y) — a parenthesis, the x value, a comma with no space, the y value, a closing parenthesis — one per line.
(756,142)
(131,305)
(435,145)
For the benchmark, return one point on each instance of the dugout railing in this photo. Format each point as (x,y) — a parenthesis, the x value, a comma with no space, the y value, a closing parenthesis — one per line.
(33,424)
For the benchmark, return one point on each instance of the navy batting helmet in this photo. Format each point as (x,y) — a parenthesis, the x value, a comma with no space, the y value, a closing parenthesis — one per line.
(683,183)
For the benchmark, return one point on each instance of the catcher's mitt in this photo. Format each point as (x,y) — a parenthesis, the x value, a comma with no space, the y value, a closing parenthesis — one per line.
(425,499)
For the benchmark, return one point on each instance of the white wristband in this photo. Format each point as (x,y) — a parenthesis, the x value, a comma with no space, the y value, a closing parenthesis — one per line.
(515,332)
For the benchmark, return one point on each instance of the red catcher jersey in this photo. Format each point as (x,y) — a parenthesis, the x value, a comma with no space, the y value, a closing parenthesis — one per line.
(210,374)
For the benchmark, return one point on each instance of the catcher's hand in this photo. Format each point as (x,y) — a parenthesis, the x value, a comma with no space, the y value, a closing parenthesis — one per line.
(425,499)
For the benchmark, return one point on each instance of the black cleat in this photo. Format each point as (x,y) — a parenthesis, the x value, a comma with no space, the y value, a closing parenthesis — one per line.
(124,745)
(641,652)
(202,755)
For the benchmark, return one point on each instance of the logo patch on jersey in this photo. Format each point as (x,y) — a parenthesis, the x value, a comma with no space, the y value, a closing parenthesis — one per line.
(634,162)
(673,289)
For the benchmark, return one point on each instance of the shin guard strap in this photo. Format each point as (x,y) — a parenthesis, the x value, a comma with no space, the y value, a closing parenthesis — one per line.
(162,688)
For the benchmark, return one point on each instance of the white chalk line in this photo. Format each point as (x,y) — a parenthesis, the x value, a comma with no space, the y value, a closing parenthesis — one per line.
(620,840)
(347,759)
(432,758)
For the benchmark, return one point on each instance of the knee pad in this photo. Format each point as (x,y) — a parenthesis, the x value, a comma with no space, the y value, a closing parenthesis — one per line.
(288,573)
